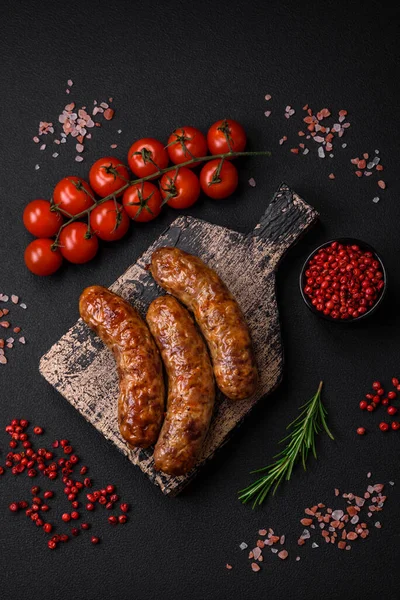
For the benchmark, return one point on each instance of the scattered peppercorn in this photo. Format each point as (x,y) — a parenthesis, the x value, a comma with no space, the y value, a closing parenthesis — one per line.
(361,430)
(383,426)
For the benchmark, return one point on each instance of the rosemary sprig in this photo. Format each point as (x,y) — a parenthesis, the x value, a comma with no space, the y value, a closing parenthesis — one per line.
(310,422)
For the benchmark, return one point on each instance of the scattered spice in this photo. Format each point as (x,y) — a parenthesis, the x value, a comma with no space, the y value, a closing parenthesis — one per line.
(44,462)
(8,342)
(75,122)
(335,525)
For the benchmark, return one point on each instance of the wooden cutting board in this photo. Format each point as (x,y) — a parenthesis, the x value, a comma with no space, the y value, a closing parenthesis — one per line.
(83,370)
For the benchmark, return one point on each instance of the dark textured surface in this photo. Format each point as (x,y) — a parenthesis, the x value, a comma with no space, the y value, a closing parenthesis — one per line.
(167,64)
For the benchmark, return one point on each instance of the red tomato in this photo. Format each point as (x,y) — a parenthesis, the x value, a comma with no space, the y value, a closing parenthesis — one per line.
(182,188)
(107,175)
(220,184)
(73,195)
(147,156)
(142,201)
(226,136)
(185,143)
(109,221)
(40,220)
(41,259)
(75,246)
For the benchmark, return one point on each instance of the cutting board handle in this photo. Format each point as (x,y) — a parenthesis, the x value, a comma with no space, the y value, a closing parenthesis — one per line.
(286,219)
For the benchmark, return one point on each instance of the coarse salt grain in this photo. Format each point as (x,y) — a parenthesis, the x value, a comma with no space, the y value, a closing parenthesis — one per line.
(23,305)
(255,567)
(78,158)
(22,340)
(243,546)
(314,545)
(267,113)
(268,96)
(228,566)
(252,182)
(283,554)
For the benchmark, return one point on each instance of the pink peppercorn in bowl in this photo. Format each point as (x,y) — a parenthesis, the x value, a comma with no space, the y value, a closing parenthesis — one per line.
(343,280)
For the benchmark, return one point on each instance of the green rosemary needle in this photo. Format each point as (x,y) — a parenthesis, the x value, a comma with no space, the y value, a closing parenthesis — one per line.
(310,422)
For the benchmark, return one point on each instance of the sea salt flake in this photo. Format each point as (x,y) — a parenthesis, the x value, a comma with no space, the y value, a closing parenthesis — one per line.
(266,113)
(78,158)
(369,474)
(321,152)
(243,546)
(344,145)
(391,482)
(378,525)
(306,151)
(297,558)
(314,545)
(337,515)
(22,340)
(305,535)
(257,553)
(268,96)
(55,154)
(252,182)
(37,167)
(23,305)
(274,550)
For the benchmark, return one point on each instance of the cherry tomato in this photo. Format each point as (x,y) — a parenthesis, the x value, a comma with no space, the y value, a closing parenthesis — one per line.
(76,244)
(147,156)
(218,181)
(142,202)
(40,220)
(109,221)
(73,195)
(107,175)
(182,188)
(226,135)
(41,259)
(185,143)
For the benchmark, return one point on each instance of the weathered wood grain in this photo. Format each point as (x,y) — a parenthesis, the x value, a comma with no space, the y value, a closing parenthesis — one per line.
(83,370)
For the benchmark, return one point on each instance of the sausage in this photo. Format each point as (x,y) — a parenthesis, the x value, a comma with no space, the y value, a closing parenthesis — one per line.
(217,314)
(191,390)
(141,384)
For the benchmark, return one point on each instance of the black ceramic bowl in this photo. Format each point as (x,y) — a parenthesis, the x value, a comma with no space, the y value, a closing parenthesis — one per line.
(363,246)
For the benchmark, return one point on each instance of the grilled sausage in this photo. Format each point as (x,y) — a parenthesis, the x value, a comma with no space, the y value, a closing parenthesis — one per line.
(191,390)
(217,314)
(141,384)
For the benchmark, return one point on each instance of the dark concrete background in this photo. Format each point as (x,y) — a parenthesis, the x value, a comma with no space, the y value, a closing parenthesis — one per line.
(169,64)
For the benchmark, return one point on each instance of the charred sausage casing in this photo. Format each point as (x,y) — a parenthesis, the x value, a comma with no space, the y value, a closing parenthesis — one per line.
(217,314)
(141,384)
(191,390)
